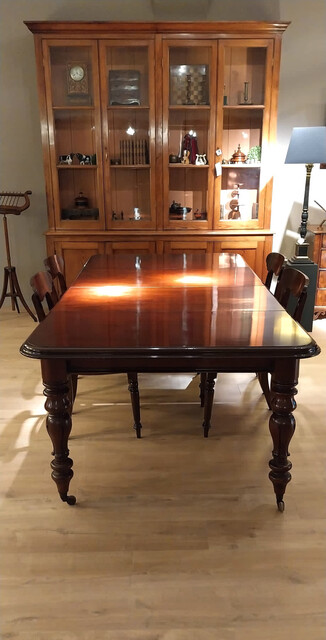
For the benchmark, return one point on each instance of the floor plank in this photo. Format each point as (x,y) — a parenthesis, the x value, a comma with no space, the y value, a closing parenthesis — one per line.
(176,537)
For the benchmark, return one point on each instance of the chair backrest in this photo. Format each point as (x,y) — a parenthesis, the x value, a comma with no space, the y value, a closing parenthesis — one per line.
(44,291)
(274,264)
(55,266)
(292,283)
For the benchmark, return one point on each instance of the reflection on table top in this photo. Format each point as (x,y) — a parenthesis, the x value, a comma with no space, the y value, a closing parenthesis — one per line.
(152,304)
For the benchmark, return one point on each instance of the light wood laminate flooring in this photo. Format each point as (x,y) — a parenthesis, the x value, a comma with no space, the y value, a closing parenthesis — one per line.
(177,537)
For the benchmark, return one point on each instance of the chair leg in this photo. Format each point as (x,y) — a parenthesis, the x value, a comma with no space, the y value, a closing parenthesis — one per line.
(202,388)
(73,378)
(134,395)
(264,383)
(209,397)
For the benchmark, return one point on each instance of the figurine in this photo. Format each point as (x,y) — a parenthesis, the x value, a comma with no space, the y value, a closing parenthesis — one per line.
(84,159)
(66,159)
(190,144)
(201,158)
(185,159)
(81,200)
(238,157)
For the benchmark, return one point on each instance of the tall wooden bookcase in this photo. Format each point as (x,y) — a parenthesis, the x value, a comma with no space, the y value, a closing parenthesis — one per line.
(158,137)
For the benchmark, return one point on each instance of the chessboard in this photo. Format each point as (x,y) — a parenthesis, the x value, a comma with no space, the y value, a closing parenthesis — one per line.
(189,84)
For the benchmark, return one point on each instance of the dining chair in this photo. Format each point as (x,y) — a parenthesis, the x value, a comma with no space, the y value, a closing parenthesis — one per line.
(275,265)
(55,266)
(44,291)
(292,284)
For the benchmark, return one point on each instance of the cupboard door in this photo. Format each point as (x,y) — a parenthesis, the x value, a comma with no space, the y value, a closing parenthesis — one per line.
(127,74)
(189,96)
(253,250)
(187,246)
(72,95)
(244,173)
(75,256)
(139,247)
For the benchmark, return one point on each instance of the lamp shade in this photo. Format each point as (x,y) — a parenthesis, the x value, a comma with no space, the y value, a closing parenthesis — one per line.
(307,146)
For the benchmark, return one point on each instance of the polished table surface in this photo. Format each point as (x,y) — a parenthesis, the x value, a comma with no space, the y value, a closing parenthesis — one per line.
(168,313)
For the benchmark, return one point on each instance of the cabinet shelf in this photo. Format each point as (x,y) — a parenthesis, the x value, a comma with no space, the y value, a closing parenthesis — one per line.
(75,107)
(127,107)
(243,165)
(245,107)
(130,166)
(180,165)
(183,107)
(70,167)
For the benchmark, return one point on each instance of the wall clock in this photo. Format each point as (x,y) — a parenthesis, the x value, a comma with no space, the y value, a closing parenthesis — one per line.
(77,79)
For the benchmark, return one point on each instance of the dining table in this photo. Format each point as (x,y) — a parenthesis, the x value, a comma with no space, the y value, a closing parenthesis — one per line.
(169,313)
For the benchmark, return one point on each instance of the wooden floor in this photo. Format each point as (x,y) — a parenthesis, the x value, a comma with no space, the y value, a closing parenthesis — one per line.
(173,537)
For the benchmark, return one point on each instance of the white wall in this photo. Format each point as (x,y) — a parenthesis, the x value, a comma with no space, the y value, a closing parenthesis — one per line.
(301,103)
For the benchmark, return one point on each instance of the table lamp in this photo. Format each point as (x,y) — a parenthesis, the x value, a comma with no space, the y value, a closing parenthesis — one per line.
(307,146)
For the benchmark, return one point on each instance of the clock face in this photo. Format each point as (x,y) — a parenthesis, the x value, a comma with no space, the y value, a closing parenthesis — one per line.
(77,73)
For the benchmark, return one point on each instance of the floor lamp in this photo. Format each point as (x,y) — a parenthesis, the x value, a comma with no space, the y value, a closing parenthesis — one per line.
(307,146)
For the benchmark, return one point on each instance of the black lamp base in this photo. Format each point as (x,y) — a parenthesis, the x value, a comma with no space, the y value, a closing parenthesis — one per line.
(301,251)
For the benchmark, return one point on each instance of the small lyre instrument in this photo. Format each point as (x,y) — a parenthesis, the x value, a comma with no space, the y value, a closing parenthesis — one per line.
(12,203)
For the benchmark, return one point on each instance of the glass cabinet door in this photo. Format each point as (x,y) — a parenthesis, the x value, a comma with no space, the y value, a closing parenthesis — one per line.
(127,70)
(74,134)
(242,133)
(189,91)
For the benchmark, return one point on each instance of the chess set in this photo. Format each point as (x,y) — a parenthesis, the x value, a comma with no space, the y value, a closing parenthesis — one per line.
(189,84)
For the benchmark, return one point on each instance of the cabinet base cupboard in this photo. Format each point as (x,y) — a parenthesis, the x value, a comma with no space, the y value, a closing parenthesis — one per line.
(158,137)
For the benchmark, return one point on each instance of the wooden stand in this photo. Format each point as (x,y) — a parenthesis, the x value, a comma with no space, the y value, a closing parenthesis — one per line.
(10,203)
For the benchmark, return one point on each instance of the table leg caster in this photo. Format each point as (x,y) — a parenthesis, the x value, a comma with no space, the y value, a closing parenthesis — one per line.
(71,500)
(280,505)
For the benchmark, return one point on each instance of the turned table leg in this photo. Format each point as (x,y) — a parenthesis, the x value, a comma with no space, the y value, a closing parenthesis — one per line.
(282,424)
(208,405)
(58,424)
(134,395)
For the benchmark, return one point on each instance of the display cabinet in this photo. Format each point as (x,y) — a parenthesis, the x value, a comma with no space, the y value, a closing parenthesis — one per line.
(158,137)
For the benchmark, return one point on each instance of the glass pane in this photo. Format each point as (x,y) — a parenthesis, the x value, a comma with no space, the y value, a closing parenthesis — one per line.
(72,78)
(75,136)
(74,132)
(239,193)
(188,132)
(129,142)
(127,75)
(241,158)
(243,111)
(78,194)
(130,194)
(244,75)
(188,194)
(188,135)
(189,75)
(129,136)
(242,127)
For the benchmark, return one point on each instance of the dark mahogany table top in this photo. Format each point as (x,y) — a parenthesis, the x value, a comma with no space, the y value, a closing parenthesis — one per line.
(153,305)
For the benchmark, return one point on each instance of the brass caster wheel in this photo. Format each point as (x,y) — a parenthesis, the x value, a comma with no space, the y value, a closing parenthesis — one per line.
(71,500)
(280,506)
